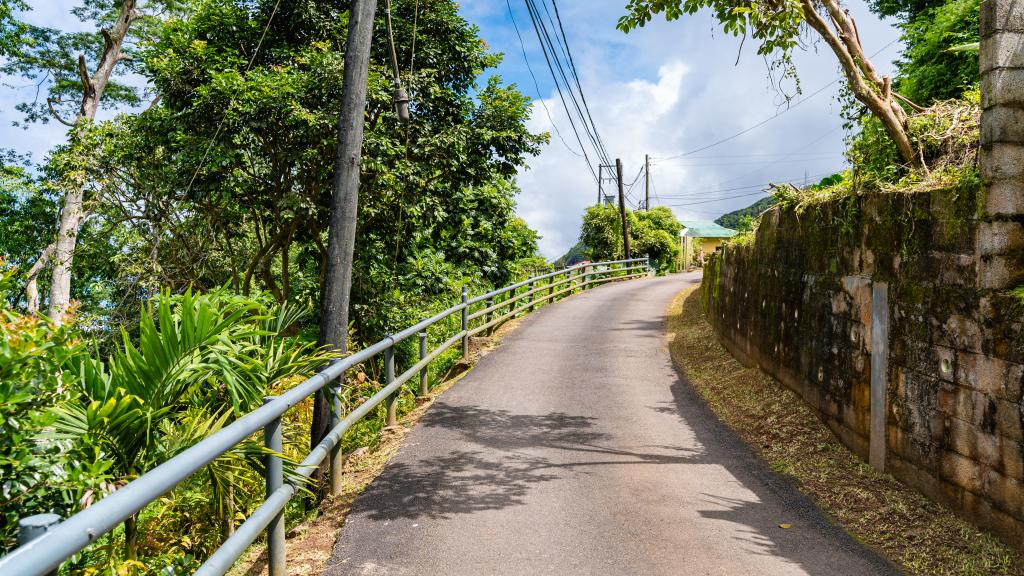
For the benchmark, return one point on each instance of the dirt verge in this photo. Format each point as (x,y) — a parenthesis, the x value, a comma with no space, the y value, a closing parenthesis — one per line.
(920,536)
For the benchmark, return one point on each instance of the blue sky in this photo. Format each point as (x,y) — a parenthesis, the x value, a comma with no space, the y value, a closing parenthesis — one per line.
(668,88)
(660,90)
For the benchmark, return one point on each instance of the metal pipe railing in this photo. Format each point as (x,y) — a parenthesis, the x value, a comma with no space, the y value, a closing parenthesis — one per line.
(53,543)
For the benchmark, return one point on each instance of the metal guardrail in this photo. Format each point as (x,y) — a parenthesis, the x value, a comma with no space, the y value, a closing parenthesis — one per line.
(47,543)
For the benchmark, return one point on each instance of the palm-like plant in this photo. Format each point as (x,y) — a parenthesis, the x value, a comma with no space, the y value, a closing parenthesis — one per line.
(201,361)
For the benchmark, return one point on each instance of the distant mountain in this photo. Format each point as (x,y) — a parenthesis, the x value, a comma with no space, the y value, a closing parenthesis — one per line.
(575,255)
(732,219)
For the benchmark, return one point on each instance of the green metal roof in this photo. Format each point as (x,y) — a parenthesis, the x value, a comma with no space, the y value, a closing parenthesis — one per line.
(706,230)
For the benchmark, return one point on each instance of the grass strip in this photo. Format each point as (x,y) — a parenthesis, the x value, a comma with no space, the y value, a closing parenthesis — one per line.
(917,534)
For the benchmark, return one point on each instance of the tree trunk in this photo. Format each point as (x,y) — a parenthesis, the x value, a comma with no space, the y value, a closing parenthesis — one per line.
(871,90)
(31,286)
(73,209)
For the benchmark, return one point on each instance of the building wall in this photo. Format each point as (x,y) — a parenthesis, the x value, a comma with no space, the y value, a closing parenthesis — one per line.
(802,302)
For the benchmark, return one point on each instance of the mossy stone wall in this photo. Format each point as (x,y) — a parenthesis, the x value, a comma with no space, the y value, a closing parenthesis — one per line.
(797,302)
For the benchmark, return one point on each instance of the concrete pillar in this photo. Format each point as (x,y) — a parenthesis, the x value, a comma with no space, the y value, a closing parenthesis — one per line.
(1000,246)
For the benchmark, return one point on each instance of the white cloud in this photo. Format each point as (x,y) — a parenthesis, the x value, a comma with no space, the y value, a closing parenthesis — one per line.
(668,88)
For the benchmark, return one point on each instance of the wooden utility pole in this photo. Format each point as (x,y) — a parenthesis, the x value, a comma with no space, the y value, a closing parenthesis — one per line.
(622,209)
(647,182)
(341,236)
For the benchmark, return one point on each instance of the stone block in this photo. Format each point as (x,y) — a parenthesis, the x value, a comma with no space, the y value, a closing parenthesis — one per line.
(999,378)
(1001,87)
(1011,458)
(1002,160)
(1007,494)
(987,450)
(1000,237)
(962,471)
(967,366)
(1001,16)
(1002,124)
(1003,50)
(961,438)
(945,399)
(998,272)
(1004,196)
(1008,420)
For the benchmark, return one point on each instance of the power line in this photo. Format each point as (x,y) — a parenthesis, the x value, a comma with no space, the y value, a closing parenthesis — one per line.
(721,198)
(540,98)
(793,152)
(561,78)
(769,119)
(575,75)
(767,161)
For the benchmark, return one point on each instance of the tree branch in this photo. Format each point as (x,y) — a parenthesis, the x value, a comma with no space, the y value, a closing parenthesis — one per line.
(83,73)
(55,114)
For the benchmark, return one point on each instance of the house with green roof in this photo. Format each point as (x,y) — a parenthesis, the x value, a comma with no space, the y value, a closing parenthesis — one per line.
(699,238)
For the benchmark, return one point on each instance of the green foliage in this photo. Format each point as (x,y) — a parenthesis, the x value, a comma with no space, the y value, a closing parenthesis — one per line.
(601,233)
(733,220)
(774,26)
(12,31)
(946,136)
(36,372)
(253,148)
(49,57)
(27,215)
(653,232)
(905,9)
(930,69)
(206,234)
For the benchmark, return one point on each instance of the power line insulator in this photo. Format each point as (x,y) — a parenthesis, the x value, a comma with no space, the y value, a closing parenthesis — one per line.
(401,101)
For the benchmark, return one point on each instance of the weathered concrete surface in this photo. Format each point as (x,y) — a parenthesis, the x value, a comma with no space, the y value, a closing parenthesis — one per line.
(575,448)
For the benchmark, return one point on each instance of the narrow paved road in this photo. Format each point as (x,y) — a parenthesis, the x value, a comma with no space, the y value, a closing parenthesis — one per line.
(576,448)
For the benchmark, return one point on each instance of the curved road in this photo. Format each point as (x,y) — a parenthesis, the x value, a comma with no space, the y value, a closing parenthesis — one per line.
(576,448)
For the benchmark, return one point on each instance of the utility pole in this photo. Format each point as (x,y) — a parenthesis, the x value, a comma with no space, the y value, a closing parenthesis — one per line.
(647,182)
(341,236)
(622,209)
(600,188)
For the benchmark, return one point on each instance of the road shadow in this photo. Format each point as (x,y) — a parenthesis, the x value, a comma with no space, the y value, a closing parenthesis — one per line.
(511,458)
(813,542)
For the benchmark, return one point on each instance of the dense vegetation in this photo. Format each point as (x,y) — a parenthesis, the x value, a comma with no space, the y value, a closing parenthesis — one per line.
(738,219)
(199,253)
(653,233)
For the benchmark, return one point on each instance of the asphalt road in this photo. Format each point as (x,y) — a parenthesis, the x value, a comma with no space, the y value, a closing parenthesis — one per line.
(575,447)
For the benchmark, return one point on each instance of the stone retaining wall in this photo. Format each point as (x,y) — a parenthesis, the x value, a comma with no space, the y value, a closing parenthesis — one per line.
(805,299)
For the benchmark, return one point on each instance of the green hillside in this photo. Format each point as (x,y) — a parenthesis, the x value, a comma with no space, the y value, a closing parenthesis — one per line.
(732,219)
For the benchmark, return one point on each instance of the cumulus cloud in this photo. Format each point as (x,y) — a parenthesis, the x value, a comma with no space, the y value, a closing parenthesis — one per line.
(665,89)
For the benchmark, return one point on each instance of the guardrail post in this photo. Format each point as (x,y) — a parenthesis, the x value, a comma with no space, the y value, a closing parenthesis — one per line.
(389,377)
(35,526)
(273,440)
(529,288)
(337,454)
(586,276)
(425,372)
(487,317)
(551,288)
(465,324)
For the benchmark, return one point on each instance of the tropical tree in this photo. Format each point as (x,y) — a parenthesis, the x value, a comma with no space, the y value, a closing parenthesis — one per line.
(80,72)
(777,27)
(654,233)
